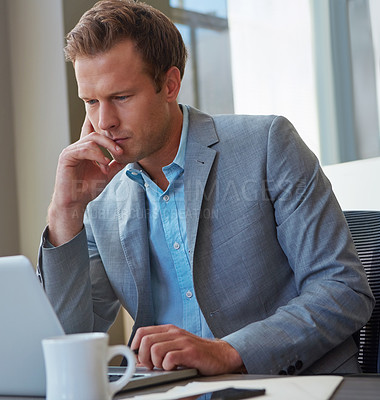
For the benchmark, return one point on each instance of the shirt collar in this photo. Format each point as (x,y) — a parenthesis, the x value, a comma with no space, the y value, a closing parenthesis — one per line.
(180,157)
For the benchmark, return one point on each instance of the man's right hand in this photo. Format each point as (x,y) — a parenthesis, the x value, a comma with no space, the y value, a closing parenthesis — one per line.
(83,172)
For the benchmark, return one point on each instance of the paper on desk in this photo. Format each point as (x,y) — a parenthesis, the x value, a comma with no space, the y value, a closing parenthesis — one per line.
(319,387)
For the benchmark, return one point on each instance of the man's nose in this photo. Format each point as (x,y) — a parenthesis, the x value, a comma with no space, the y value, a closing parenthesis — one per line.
(108,119)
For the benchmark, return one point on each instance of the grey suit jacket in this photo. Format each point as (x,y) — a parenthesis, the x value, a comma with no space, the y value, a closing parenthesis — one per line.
(275,270)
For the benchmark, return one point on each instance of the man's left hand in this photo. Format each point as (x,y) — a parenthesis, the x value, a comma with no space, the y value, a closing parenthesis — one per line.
(168,347)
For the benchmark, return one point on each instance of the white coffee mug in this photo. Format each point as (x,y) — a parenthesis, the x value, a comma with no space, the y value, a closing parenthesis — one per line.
(76,367)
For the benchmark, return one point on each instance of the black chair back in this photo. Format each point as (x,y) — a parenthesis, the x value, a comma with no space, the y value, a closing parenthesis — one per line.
(365,230)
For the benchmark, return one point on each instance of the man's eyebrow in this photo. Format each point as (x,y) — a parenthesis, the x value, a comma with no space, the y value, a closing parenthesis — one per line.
(113,94)
(119,92)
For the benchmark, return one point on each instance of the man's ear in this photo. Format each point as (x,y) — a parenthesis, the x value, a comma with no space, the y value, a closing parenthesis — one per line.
(172,84)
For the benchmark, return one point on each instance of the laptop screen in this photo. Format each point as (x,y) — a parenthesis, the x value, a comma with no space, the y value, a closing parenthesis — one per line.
(26,318)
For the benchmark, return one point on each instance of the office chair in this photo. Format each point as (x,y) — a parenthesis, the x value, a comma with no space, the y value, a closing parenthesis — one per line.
(365,231)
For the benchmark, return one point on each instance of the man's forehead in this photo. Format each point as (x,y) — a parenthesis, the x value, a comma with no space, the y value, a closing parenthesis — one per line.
(95,79)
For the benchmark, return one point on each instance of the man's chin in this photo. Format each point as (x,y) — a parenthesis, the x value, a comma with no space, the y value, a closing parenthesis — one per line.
(123,160)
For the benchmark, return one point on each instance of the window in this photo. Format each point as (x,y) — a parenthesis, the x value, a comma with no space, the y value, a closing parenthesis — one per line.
(207,84)
(250,57)
(313,61)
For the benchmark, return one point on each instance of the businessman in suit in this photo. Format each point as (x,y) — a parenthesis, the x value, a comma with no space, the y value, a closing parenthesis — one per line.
(220,235)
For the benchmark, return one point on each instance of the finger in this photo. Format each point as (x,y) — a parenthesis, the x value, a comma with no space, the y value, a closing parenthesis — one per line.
(160,354)
(189,351)
(152,349)
(85,151)
(104,142)
(155,336)
(174,359)
(103,168)
(113,168)
(87,127)
(187,354)
(148,330)
(184,350)
(209,357)
(90,148)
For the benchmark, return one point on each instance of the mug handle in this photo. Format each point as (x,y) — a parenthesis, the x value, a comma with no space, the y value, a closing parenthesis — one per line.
(129,371)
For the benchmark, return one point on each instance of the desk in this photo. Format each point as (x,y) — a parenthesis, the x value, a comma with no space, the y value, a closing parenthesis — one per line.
(352,388)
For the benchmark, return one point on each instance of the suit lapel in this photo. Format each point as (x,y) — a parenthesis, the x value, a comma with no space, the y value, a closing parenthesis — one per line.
(199,160)
(130,198)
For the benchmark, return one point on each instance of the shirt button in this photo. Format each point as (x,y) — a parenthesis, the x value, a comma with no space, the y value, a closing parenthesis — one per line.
(134,173)
(166,197)
(189,294)
(146,185)
(176,245)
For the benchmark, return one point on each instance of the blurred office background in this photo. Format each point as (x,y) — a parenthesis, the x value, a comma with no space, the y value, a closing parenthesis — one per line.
(314,61)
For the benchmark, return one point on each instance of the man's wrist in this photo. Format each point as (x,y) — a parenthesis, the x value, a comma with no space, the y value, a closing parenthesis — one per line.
(64,224)
(234,359)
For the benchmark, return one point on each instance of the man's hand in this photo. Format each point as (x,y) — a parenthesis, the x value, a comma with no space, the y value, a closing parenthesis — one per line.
(83,172)
(167,347)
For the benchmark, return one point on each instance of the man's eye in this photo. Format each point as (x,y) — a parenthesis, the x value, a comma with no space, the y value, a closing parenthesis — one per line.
(91,102)
(121,98)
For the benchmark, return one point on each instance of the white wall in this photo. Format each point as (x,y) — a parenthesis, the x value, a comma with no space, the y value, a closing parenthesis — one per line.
(40,110)
(9,237)
(34,121)
(356,184)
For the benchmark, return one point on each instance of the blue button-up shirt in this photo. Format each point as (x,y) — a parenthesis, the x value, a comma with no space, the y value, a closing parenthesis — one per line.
(172,282)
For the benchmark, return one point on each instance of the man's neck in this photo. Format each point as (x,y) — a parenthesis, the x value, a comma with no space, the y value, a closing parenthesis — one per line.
(153,166)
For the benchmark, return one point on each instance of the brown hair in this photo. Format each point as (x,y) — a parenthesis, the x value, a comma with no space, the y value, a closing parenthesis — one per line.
(109,22)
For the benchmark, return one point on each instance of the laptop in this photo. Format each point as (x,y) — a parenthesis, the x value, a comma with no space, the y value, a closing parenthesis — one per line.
(27,317)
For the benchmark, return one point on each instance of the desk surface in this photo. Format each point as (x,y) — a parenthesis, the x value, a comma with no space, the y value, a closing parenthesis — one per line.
(352,388)
(358,388)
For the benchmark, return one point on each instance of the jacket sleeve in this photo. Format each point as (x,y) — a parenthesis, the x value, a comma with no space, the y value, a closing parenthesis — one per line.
(72,277)
(334,299)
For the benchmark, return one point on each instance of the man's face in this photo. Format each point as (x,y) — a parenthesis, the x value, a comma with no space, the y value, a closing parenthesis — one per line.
(122,103)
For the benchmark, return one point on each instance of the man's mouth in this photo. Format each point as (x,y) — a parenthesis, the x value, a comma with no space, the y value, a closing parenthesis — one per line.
(120,140)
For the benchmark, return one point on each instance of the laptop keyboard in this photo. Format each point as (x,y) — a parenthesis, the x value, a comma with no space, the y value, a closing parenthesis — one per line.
(115,377)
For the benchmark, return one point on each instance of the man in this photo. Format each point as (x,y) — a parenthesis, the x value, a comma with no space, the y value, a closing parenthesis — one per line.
(220,235)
